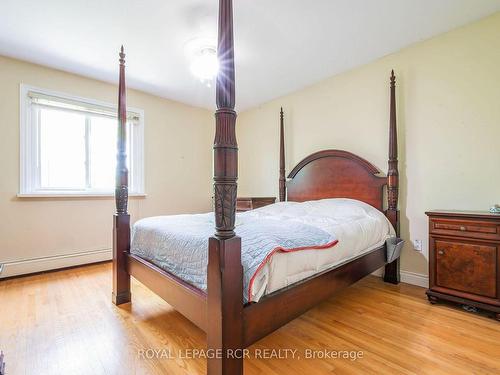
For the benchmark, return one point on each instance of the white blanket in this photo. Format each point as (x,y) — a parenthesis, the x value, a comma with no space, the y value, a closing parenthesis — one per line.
(179,244)
(358,227)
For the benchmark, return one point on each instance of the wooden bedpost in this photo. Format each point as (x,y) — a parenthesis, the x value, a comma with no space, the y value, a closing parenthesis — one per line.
(121,219)
(391,273)
(282,158)
(225,272)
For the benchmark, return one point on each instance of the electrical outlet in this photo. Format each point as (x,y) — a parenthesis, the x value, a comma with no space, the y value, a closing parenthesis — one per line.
(417,245)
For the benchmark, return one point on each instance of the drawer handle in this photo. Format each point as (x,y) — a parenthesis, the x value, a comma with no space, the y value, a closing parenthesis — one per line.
(463,228)
(441,252)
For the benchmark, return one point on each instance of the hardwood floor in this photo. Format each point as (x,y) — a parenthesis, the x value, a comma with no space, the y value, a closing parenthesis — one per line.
(64,323)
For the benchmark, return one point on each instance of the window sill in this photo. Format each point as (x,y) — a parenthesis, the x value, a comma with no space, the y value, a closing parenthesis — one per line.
(76,195)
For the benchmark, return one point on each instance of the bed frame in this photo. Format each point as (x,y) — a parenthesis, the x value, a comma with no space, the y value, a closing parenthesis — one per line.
(230,324)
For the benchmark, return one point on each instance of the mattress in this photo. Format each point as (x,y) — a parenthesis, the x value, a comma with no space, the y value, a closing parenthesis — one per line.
(282,243)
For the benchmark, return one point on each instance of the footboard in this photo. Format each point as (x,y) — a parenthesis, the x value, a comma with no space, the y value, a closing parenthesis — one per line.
(188,300)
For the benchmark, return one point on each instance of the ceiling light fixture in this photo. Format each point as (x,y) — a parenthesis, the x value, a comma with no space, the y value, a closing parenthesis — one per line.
(201,55)
(204,64)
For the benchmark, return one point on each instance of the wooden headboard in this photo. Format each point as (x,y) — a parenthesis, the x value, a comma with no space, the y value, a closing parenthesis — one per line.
(342,174)
(336,174)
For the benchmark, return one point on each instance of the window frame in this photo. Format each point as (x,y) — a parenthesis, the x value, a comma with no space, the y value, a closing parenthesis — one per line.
(29,147)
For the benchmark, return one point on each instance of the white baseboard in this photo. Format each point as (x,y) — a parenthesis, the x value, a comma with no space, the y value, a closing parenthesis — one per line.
(379,272)
(414,278)
(27,266)
(408,277)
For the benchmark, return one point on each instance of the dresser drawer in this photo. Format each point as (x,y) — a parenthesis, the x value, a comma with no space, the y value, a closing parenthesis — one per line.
(251,203)
(243,204)
(465,228)
(466,267)
(261,202)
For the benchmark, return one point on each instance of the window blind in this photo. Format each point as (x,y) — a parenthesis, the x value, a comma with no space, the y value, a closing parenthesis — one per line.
(45,100)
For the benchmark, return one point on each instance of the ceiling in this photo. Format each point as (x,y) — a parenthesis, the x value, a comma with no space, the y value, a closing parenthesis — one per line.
(280,45)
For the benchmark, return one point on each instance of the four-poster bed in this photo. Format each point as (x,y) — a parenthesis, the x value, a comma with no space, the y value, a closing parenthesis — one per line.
(230,323)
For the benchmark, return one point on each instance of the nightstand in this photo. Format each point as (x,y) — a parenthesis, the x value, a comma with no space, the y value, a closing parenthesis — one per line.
(247,204)
(464,258)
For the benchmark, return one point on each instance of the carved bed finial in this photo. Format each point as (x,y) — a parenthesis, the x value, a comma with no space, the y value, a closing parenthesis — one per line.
(282,179)
(225,146)
(121,185)
(122,56)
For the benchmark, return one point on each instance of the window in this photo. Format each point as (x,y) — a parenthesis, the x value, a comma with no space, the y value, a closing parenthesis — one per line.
(68,145)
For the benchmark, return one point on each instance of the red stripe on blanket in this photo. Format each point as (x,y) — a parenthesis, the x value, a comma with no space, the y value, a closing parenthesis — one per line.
(283,250)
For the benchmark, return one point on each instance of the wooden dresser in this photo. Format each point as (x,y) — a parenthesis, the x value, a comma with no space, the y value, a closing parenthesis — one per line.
(464,258)
(247,204)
